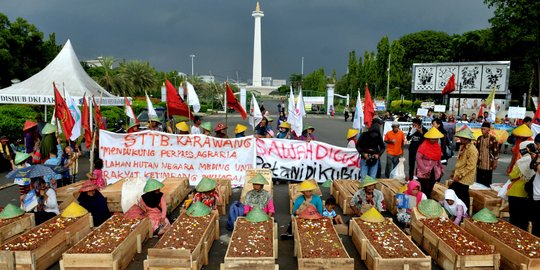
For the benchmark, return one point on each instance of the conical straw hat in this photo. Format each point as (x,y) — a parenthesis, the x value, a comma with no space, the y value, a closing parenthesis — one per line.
(207,126)
(327,183)
(11,211)
(257,215)
(239,128)
(28,125)
(368,181)
(152,184)
(198,209)
(306,186)
(20,157)
(308,126)
(259,179)
(74,210)
(87,186)
(430,208)
(182,126)
(433,133)
(372,215)
(486,216)
(285,125)
(48,129)
(522,131)
(206,184)
(351,133)
(466,133)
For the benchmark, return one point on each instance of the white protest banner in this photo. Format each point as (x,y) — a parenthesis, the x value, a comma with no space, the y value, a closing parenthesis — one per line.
(299,160)
(162,155)
(440,108)
(517,112)
(421,112)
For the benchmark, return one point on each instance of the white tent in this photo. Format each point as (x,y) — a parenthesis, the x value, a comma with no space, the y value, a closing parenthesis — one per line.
(66,71)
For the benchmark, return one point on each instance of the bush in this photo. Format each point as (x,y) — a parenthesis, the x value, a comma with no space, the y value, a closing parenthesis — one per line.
(113,115)
(12,118)
(407,106)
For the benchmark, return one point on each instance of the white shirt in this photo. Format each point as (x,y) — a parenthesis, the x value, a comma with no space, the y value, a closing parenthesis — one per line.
(351,144)
(195,130)
(51,204)
(536,187)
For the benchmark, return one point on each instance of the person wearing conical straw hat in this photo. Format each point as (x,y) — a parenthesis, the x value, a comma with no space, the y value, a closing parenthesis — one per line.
(284,131)
(206,128)
(221,131)
(239,131)
(22,182)
(465,169)
(31,135)
(153,203)
(48,141)
(454,206)
(47,206)
(155,124)
(258,197)
(306,204)
(307,134)
(183,128)
(133,128)
(367,197)
(206,193)
(429,168)
(6,155)
(521,133)
(351,137)
(92,200)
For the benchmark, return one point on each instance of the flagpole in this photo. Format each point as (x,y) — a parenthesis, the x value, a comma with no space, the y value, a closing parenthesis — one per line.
(225,101)
(459,101)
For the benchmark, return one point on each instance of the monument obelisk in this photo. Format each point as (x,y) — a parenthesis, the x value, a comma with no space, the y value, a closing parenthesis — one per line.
(257,58)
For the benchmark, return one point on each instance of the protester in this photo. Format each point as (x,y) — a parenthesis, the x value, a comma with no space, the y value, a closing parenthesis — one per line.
(367,196)
(480,119)
(532,187)
(69,160)
(154,124)
(96,177)
(36,154)
(429,168)
(307,205)
(520,134)
(31,135)
(444,141)
(153,203)
(486,117)
(464,118)
(55,158)
(346,113)
(40,124)
(48,141)
(351,138)
(195,129)
(221,131)
(133,128)
(269,126)
(18,146)
(518,202)
(473,118)
(6,155)
(527,121)
(22,182)
(329,212)
(47,206)
(394,139)
(261,130)
(331,111)
(415,136)
(239,131)
(92,200)
(429,116)
(413,189)
(307,134)
(258,197)
(285,131)
(281,119)
(206,128)
(371,147)
(455,207)
(465,168)
(488,155)
(388,116)
(206,193)
(183,128)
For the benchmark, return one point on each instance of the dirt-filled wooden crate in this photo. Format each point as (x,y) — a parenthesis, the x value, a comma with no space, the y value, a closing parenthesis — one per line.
(252,246)
(519,249)
(317,246)
(389,189)
(111,246)
(13,226)
(343,190)
(185,245)
(67,194)
(417,227)
(248,186)
(384,246)
(294,193)
(438,192)
(454,248)
(42,246)
(175,190)
(490,200)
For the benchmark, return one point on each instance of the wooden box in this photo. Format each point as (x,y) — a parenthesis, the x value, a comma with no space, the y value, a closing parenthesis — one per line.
(181,258)
(12,227)
(294,193)
(448,259)
(225,193)
(490,200)
(248,186)
(320,263)
(438,192)
(175,190)
(118,259)
(48,252)
(417,227)
(374,261)
(510,258)
(67,194)
(389,189)
(343,191)
(255,263)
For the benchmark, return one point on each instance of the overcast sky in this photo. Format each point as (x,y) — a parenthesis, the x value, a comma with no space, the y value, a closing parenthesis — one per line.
(220,32)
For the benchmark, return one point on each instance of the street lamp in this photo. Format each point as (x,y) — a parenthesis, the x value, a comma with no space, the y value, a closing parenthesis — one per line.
(192,56)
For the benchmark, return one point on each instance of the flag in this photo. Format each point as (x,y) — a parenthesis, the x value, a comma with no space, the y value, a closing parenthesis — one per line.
(491,96)
(175,104)
(358,122)
(492,112)
(63,113)
(193,99)
(129,111)
(233,103)
(450,85)
(481,111)
(97,115)
(300,106)
(85,122)
(299,114)
(291,116)
(369,108)
(76,114)
(255,112)
(152,114)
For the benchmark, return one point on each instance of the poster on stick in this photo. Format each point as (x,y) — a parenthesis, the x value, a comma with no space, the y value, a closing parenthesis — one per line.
(161,155)
(299,160)
(517,112)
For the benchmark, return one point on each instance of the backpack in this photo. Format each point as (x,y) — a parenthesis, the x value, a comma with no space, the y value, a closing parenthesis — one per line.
(236,210)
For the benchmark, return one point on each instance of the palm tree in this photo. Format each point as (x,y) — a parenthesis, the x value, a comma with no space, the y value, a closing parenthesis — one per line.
(109,77)
(140,75)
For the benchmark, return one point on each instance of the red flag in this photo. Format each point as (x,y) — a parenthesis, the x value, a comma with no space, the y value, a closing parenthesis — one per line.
(450,85)
(233,103)
(481,111)
(97,115)
(129,110)
(63,113)
(175,104)
(85,122)
(369,108)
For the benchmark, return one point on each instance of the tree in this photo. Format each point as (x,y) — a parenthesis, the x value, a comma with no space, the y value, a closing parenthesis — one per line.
(109,78)
(296,80)
(315,81)
(426,47)
(383,52)
(140,75)
(400,76)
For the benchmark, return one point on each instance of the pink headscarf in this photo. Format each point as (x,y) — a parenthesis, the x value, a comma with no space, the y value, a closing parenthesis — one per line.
(410,187)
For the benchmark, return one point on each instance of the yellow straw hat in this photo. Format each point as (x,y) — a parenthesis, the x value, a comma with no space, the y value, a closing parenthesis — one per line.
(285,125)
(182,126)
(239,128)
(522,131)
(433,133)
(372,215)
(351,133)
(74,210)
(306,186)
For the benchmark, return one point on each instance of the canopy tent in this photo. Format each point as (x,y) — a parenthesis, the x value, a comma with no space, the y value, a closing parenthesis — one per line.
(68,74)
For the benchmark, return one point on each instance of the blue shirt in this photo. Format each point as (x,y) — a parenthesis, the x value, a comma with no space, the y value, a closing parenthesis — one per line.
(55,160)
(329,214)
(315,200)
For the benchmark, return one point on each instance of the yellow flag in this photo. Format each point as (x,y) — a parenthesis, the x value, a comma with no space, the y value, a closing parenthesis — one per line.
(491,96)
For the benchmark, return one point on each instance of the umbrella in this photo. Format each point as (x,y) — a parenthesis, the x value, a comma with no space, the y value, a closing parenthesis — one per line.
(57,168)
(32,172)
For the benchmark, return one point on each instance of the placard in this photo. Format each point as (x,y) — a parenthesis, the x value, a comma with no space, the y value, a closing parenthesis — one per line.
(440,108)
(517,112)
(421,112)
